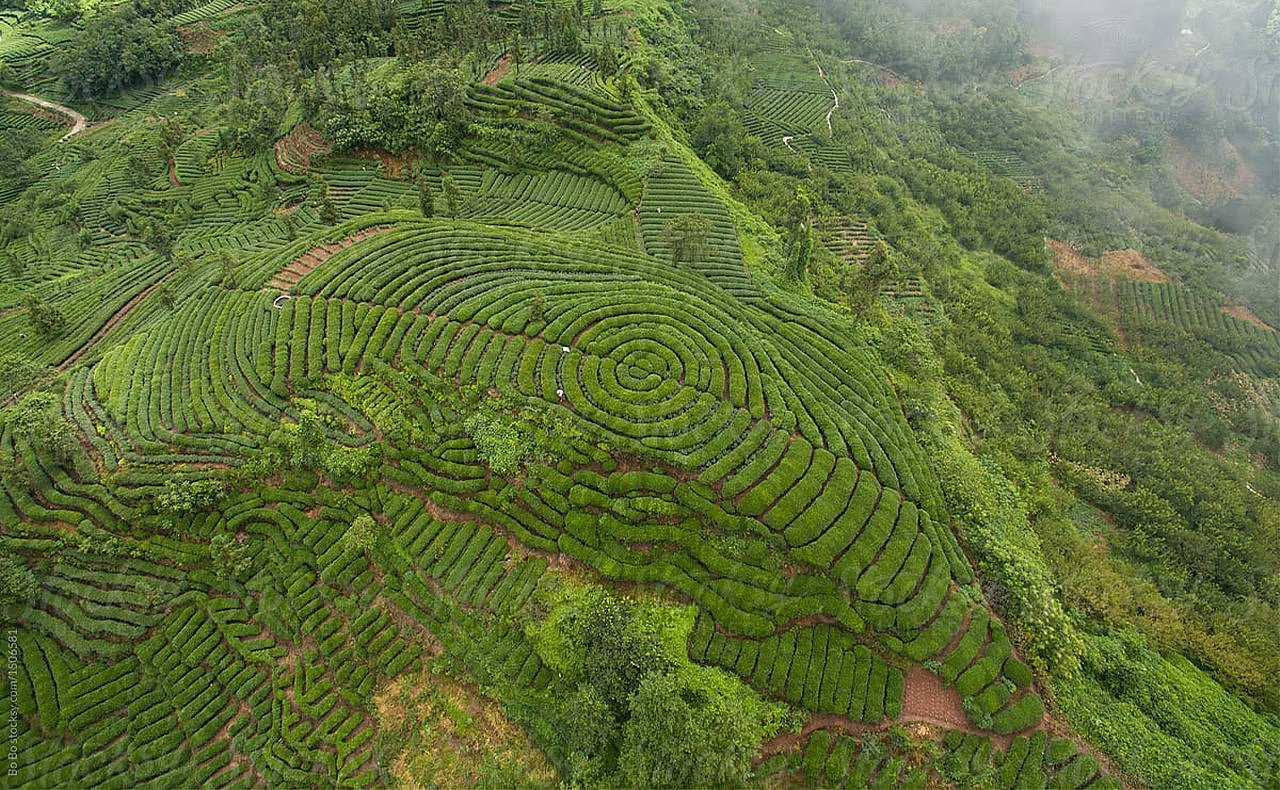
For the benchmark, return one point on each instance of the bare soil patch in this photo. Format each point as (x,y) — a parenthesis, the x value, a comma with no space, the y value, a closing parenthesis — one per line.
(295,150)
(498,71)
(926,698)
(200,37)
(1113,264)
(1210,181)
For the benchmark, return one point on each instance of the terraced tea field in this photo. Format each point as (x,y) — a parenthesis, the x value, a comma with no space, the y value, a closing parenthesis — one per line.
(261,351)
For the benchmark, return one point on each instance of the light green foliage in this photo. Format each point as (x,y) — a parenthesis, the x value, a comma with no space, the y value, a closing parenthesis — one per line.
(230,555)
(1165,720)
(994,521)
(18,373)
(642,714)
(695,727)
(183,497)
(305,444)
(362,534)
(500,443)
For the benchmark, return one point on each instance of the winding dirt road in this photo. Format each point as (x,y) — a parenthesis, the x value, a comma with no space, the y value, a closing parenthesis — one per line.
(78,122)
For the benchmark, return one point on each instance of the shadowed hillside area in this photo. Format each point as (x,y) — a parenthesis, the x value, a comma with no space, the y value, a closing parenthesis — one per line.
(640,393)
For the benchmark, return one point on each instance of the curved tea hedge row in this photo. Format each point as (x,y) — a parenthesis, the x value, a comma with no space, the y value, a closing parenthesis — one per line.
(740,407)
(132,676)
(827,758)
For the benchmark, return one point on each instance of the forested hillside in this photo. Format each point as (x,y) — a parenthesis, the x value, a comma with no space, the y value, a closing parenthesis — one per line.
(640,393)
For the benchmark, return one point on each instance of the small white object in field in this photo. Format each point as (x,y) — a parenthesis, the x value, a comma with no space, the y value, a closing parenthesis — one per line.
(565,349)
(559,393)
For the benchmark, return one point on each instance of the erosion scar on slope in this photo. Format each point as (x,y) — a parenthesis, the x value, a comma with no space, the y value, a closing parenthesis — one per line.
(498,71)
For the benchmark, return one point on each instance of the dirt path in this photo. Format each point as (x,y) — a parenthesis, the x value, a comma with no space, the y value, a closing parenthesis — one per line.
(112,323)
(897,79)
(78,121)
(823,76)
(304,264)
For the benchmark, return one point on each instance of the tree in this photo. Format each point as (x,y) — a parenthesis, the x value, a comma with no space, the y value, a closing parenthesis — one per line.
(499,442)
(125,49)
(591,734)
(8,76)
(607,58)
(880,268)
(183,497)
(687,234)
(720,138)
(328,209)
(426,196)
(230,555)
(37,419)
(362,535)
(17,582)
(228,265)
(47,320)
(799,237)
(452,194)
(18,373)
(537,306)
(12,264)
(693,728)
(304,442)
(160,239)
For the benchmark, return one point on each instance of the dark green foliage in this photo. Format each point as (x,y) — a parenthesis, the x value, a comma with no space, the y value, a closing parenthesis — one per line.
(426,197)
(37,419)
(684,731)
(687,235)
(616,658)
(420,107)
(47,320)
(125,49)
(17,582)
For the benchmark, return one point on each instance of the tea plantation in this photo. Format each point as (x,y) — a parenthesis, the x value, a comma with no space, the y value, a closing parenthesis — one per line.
(292,415)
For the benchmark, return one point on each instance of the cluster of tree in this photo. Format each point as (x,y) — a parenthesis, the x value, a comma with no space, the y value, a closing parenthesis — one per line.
(421,106)
(125,49)
(37,419)
(642,714)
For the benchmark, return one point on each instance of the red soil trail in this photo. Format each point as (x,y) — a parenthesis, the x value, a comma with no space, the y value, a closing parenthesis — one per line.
(304,264)
(112,323)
